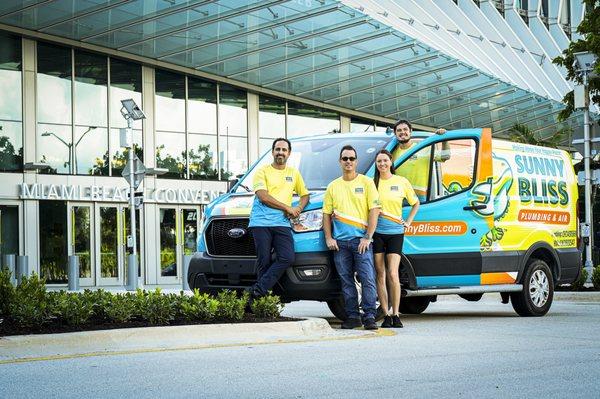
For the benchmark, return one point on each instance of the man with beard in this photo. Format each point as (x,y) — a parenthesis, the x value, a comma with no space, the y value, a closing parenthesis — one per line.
(416,168)
(274,185)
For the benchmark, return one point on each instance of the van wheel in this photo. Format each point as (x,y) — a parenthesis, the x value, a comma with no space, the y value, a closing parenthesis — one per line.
(414,304)
(538,290)
(337,308)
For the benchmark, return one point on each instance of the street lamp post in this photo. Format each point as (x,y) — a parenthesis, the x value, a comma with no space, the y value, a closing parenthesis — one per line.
(584,64)
(131,112)
(72,148)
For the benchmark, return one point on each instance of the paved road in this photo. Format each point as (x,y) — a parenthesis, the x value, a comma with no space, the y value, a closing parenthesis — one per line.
(455,349)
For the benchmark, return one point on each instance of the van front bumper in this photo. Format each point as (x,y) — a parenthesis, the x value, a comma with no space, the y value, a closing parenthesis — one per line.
(311,277)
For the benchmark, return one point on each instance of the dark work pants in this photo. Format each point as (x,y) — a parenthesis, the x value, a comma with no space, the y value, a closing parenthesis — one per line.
(280,239)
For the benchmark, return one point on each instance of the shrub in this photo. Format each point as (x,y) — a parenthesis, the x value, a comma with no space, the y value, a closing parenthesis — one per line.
(72,308)
(596,277)
(230,306)
(121,308)
(267,307)
(155,308)
(101,302)
(7,292)
(30,307)
(199,307)
(578,284)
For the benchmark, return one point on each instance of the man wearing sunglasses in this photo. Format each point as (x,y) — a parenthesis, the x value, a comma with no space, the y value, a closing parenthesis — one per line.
(274,185)
(352,203)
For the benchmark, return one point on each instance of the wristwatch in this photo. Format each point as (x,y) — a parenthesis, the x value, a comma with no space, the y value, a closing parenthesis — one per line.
(366,236)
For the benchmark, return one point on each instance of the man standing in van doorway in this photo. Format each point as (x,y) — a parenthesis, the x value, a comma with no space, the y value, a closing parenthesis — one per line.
(352,202)
(274,185)
(416,168)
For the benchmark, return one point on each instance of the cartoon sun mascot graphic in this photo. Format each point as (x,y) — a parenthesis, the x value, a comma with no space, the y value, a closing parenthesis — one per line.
(494,194)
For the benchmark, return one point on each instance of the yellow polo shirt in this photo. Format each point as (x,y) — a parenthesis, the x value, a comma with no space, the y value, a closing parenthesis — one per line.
(349,202)
(281,185)
(392,193)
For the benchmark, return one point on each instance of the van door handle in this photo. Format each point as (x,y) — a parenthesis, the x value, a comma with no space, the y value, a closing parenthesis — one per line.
(474,207)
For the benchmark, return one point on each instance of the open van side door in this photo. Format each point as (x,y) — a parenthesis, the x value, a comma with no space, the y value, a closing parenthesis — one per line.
(452,175)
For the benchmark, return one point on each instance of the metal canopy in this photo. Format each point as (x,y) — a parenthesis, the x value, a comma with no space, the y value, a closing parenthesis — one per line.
(322,50)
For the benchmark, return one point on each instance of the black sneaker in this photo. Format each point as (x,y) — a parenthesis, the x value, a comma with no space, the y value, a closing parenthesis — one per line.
(396,323)
(351,323)
(370,324)
(387,322)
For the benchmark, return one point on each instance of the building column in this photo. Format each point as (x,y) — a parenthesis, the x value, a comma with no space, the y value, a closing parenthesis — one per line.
(344,124)
(151,229)
(253,140)
(31,221)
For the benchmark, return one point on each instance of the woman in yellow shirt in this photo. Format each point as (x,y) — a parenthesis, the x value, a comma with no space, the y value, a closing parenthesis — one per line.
(389,235)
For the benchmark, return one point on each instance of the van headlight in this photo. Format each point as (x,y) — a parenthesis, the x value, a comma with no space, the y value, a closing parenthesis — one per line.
(308,221)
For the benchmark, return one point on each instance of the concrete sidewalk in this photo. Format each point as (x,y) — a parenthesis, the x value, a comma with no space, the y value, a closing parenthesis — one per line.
(23,348)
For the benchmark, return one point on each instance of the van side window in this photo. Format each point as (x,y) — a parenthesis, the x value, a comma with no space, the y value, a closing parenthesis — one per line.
(454,167)
(416,170)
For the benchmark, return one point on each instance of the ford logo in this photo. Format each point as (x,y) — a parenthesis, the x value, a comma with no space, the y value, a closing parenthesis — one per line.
(236,233)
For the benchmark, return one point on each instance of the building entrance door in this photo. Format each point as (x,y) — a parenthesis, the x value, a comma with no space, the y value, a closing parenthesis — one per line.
(178,235)
(112,229)
(81,239)
(10,234)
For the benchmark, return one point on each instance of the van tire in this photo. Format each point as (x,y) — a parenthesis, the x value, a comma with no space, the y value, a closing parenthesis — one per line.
(336,306)
(414,304)
(538,290)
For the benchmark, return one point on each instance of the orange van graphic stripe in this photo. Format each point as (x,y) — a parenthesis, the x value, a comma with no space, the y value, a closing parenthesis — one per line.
(497,278)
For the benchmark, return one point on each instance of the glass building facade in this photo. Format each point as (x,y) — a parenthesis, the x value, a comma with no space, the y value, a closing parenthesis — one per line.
(197,131)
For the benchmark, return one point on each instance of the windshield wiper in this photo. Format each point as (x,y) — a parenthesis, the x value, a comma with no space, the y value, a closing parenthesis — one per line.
(245,187)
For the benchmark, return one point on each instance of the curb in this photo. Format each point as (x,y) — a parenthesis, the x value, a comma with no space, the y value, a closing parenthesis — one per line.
(23,348)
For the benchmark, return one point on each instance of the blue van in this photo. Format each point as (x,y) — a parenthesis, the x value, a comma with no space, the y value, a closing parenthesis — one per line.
(497,217)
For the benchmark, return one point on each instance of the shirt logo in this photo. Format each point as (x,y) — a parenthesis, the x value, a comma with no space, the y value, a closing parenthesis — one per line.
(394,188)
(289,179)
(359,190)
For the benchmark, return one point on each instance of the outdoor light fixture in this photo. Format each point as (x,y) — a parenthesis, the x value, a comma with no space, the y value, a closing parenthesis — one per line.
(156,171)
(35,166)
(130,110)
(585,61)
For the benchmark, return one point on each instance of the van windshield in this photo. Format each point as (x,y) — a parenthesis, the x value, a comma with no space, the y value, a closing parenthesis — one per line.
(317,159)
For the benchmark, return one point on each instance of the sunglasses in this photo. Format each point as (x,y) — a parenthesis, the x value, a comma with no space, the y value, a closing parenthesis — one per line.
(345,159)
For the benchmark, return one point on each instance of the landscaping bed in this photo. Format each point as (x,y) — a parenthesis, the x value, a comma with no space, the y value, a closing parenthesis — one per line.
(30,309)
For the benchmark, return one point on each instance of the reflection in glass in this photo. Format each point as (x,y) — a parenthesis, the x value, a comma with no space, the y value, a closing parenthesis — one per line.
(91,114)
(168,242)
(233,156)
(109,264)
(304,120)
(54,132)
(120,155)
(125,82)
(54,147)
(170,153)
(138,224)
(9,229)
(53,241)
(53,84)
(190,231)
(11,133)
(232,111)
(202,106)
(271,117)
(11,146)
(91,155)
(170,123)
(202,156)
(82,234)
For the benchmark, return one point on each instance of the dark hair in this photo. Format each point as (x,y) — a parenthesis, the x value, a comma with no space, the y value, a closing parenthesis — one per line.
(281,139)
(348,147)
(392,169)
(402,122)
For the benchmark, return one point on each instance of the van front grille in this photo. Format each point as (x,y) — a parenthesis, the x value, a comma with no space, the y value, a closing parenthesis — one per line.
(219,240)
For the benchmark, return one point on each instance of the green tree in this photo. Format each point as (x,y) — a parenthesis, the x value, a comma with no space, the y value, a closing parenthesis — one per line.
(9,159)
(520,133)
(590,30)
